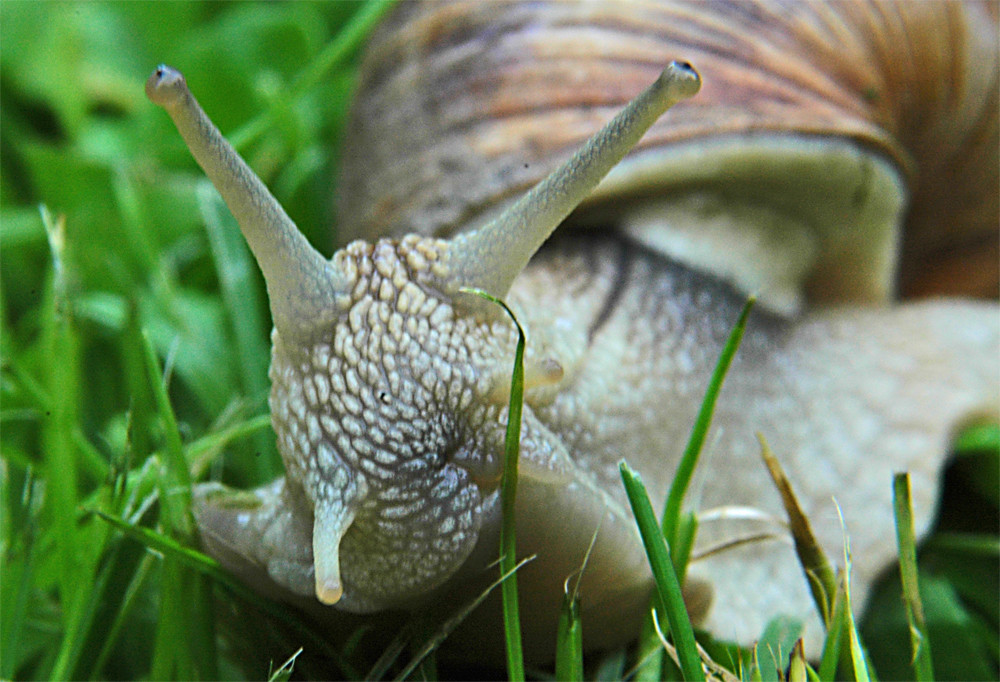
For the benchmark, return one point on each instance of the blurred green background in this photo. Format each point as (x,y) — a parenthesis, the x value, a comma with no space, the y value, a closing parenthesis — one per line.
(113,245)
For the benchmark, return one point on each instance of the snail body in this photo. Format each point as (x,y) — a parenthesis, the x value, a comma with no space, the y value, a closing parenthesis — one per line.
(390,382)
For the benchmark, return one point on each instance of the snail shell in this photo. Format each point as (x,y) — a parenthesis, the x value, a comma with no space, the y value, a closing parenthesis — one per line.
(846,115)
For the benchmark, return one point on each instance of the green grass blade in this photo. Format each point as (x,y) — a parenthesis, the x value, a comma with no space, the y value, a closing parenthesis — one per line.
(978,438)
(797,666)
(185,637)
(508,495)
(833,643)
(284,672)
(677,528)
(858,659)
(650,652)
(685,469)
(171,658)
(15,611)
(62,475)
(128,603)
(205,565)
(671,601)
(170,547)
(392,650)
(569,640)
(569,636)
(907,542)
(202,626)
(974,544)
(650,655)
(185,641)
(176,487)
(89,627)
(687,530)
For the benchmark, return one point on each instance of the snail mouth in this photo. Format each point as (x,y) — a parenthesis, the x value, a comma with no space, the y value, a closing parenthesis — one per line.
(400,547)
(330,592)
(482,471)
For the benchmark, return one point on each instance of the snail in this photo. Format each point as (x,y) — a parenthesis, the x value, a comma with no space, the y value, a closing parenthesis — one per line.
(390,382)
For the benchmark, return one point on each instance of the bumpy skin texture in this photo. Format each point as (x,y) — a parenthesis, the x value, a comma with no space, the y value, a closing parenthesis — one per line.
(384,415)
(635,338)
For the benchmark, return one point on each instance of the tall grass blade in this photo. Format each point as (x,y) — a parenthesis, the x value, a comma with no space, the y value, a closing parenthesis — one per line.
(569,640)
(670,599)
(818,570)
(508,496)
(15,615)
(685,469)
(679,529)
(61,420)
(833,651)
(185,615)
(859,661)
(185,637)
(175,495)
(906,539)
(171,658)
(128,602)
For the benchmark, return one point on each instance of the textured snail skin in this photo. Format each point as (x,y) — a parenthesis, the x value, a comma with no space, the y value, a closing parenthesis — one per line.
(389,404)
